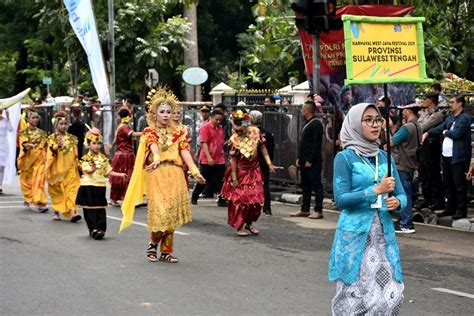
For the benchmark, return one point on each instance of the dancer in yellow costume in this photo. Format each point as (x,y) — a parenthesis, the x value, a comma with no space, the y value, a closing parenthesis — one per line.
(159,164)
(62,170)
(32,162)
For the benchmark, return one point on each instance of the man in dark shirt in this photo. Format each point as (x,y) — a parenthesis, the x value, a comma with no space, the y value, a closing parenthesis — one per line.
(256,120)
(310,162)
(78,129)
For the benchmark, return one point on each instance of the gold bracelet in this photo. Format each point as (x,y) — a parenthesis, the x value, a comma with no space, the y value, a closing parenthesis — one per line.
(194,170)
(268,160)
(156,157)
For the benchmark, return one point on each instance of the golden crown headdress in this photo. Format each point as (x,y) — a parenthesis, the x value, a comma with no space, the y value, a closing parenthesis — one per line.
(159,97)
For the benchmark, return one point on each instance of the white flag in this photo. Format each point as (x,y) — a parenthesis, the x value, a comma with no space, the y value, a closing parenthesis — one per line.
(82,21)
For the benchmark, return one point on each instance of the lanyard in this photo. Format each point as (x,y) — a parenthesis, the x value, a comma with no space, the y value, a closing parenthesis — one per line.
(371,168)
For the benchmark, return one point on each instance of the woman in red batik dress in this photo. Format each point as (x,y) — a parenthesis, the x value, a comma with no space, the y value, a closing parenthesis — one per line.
(243,181)
(124,157)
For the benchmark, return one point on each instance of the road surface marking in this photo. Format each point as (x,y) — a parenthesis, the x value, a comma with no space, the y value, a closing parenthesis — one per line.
(440,289)
(144,225)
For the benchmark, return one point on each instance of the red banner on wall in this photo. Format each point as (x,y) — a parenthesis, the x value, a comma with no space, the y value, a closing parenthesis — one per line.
(332,44)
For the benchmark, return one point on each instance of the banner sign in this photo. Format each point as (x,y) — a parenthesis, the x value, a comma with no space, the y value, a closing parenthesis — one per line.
(384,50)
(81,17)
(332,44)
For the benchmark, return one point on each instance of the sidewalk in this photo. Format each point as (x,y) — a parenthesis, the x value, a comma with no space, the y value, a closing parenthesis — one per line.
(424,217)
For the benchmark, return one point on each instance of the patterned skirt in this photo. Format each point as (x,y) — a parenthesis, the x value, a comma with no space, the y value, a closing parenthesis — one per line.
(376,292)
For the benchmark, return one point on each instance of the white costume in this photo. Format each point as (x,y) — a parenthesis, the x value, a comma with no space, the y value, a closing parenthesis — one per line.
(5,127)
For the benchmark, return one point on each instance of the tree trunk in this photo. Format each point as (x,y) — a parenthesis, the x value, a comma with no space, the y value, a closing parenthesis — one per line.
(191,56)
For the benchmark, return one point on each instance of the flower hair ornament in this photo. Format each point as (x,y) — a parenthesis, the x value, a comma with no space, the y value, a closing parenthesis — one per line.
(240,117)
(161,97)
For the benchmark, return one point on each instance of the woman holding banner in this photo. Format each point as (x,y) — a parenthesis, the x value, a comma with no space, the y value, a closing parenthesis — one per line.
(365,260)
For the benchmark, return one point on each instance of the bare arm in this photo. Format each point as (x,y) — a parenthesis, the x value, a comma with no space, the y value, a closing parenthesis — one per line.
(233,165)
(188,160)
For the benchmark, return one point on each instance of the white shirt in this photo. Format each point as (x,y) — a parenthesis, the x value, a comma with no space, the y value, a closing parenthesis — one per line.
(448,145)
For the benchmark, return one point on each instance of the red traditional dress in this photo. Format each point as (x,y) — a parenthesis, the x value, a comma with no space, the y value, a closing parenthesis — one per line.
(123,162)
(246,200)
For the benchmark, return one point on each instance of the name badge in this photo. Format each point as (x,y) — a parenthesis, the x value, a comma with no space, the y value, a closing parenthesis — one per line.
(377,204)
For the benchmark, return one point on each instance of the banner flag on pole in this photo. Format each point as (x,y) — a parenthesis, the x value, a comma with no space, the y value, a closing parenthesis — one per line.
(81,17)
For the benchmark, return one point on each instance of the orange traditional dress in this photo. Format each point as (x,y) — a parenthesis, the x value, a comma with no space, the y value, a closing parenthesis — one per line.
(31,164)
(167,191)
(62,173)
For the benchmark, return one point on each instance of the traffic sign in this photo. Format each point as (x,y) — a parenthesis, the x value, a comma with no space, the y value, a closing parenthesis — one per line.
(47,80)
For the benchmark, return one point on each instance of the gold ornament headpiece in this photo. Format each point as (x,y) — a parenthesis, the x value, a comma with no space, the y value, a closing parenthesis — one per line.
(93,135)
(160,97)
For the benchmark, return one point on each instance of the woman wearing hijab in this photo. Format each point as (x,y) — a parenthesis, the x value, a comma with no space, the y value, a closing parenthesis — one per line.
(365,260)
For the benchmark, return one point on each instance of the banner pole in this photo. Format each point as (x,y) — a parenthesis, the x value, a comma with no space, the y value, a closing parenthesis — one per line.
(316,64)
(387,126)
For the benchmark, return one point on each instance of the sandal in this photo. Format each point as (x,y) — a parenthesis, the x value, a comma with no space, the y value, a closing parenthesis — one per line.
(252,230)
(242,233)
(114,203)
(166,257)
(151,252)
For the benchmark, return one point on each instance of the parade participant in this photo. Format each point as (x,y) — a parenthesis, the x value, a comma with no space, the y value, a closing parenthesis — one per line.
(176,118)
(124,157)
(5,127)
(256,118)
(365,260)
(62,170)
(243,181)
(91,196)
(159,164)
(31,163)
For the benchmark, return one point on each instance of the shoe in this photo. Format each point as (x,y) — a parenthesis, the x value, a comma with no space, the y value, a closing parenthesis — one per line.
(26,205)
(405,230)
(98,235)
(422,205)
(42,209)
(435,207)
(316,215)
(142,205)
(76,218)
(56,217)
(194,202)
(459,215)
(445,213)
(114,203)
(268,213)
(1,191)
(299,214)
(222,203)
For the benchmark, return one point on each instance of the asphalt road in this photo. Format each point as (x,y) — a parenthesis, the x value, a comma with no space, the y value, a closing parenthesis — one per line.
(54,268)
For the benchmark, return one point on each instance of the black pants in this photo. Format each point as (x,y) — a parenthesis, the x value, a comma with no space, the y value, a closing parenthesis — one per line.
(455,185)
(311,181)
(214,176)
(266,190)
(96,218)
(430,172)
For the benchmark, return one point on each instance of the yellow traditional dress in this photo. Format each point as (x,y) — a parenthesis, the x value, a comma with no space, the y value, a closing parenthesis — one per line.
(62,173)
(32,163)
(167,192)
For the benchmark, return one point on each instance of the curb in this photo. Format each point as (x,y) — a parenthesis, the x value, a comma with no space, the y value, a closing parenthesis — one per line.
(461,224)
